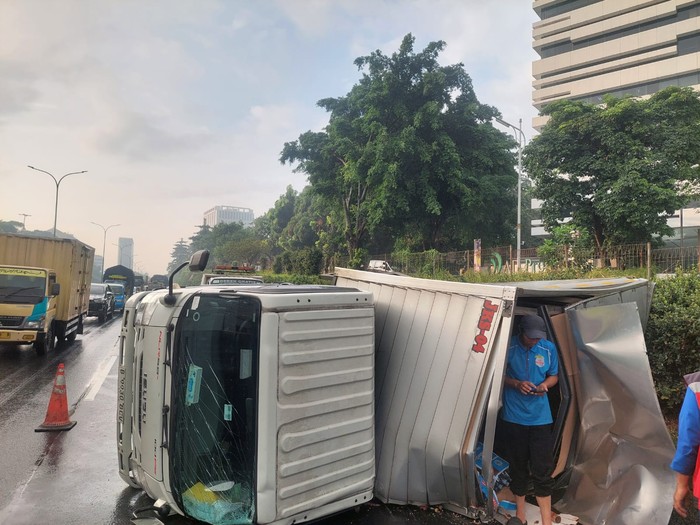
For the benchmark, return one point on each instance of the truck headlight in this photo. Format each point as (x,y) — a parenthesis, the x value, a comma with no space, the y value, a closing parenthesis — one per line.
(34,323)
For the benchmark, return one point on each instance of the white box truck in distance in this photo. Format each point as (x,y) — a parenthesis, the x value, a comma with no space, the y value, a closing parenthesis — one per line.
(284,404)
(44,289)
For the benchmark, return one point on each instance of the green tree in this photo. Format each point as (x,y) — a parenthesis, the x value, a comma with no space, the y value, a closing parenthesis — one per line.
(10,227)
(271,225)
(410,150)
(614,167)
(180,254)
(202,240)
(246,250)
(217,238)
(569,246)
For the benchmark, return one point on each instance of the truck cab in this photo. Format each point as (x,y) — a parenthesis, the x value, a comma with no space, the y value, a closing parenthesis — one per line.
(28,298)
(243,404)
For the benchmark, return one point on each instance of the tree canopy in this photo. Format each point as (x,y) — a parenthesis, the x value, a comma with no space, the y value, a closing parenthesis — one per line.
(615,168)
(409,154)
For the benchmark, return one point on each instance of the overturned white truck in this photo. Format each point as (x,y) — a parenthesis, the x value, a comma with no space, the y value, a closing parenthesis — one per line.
(268,404)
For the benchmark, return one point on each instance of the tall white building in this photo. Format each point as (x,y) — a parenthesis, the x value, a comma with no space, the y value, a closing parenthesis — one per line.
(97,267)
(126,252)
(228,214)
(589,48)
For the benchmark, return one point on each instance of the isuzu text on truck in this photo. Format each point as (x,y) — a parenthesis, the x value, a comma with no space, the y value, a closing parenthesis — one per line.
(284,404)
(44,289)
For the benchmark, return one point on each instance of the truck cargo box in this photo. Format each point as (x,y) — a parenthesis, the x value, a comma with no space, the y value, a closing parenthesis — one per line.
(440,361)
(66,262)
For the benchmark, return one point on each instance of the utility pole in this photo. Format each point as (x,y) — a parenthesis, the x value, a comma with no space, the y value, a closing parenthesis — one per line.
(24,220)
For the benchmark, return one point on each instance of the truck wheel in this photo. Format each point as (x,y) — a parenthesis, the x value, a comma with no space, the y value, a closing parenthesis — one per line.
(46,344)
(101,317)
(71,337)
(60,334)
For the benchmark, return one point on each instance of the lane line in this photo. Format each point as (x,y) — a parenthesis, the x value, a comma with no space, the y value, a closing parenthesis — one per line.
(99,377)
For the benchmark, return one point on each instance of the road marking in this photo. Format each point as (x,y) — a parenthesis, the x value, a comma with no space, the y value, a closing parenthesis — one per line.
(99,377)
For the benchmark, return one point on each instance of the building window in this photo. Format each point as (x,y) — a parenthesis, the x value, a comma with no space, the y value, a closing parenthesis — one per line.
(566,47)
(565,7)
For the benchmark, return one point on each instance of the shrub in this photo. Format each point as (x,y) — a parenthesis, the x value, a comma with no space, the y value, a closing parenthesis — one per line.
(673,337)
(307,261)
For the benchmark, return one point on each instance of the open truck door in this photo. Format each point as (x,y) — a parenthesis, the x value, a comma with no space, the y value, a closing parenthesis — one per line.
(620,468)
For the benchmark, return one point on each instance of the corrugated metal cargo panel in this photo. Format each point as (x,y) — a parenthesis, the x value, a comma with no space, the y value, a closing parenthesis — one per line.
(325,410)
(81,276)
(435,346)
(620,474)
(638,294)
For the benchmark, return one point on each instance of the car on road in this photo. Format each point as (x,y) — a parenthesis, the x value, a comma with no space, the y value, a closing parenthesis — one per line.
(101,303)
(119,296)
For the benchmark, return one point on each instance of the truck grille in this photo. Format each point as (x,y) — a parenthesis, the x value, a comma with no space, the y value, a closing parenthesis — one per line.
(11,320)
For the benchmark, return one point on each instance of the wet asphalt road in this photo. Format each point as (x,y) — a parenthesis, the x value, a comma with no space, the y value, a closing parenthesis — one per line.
(71,478)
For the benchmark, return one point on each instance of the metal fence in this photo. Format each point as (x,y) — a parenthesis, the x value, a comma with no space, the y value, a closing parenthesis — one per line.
(504,259)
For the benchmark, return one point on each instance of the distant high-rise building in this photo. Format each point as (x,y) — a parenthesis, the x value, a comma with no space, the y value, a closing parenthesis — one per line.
(126,252)
(590,48)
(228,214)
(97,269)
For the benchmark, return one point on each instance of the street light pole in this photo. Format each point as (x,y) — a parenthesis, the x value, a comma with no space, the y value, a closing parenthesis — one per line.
(58,183)
(521,140)
(24,220)
(104,241)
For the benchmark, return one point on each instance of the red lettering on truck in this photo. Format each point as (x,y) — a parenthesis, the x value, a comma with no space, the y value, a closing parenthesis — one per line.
(488,311)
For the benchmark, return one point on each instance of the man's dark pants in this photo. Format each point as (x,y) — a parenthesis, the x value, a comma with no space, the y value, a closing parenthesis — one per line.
(530,456)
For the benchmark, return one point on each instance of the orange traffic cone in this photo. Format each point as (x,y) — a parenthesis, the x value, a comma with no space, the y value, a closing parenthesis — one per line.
(57,413)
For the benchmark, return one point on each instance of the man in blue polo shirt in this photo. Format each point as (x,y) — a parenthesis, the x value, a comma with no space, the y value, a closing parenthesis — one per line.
(686,462)
(531,370)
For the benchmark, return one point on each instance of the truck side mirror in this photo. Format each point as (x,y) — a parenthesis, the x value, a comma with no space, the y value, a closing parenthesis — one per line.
(198,261)
(55,289)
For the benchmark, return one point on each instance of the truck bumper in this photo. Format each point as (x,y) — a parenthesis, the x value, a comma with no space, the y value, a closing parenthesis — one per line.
(18,336)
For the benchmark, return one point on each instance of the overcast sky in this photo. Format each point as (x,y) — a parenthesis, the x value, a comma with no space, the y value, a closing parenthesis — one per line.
(175,106)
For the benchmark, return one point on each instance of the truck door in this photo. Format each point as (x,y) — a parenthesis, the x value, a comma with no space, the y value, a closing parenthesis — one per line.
(620,469)
(212,446)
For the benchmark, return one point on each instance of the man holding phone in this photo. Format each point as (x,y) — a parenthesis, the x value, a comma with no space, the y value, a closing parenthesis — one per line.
(531,370)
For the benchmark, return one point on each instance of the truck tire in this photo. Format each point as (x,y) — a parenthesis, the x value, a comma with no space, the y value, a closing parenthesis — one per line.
(60,333)
(71,337)
(45,344)
(102,316)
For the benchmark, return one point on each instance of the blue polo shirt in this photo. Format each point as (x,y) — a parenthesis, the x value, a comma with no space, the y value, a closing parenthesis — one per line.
(688,435)
(532,365)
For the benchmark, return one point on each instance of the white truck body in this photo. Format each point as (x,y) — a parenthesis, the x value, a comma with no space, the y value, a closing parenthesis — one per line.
(440,360)
(249,405)
(392,390)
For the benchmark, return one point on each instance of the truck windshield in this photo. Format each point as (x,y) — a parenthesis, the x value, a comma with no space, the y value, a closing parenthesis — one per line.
(27,288)
(213,423)
(117,289)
